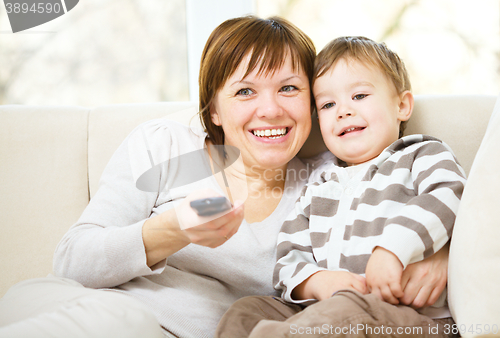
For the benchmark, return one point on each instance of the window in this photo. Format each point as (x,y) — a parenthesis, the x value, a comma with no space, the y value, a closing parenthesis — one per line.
(448,46)
(105,52)
(101,52)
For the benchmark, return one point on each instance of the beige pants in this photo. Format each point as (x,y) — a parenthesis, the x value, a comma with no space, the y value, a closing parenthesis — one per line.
(59,307)
(346,314)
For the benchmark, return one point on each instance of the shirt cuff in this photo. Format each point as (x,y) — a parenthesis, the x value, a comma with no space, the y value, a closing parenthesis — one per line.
(126,254)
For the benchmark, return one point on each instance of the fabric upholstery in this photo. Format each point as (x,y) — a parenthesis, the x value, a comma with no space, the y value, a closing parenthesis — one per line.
(474,266)
(43,185)
(459,121)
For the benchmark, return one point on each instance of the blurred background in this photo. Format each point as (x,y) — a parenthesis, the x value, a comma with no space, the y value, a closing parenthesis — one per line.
(125,51)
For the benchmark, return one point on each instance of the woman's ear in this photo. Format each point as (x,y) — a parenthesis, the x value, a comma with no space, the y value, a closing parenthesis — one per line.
(214,115)
(405,106)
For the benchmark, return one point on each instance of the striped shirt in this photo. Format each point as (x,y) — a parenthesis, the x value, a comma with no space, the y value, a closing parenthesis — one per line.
(405,200)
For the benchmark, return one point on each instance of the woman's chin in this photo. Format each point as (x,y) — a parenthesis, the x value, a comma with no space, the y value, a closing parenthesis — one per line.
(273,160)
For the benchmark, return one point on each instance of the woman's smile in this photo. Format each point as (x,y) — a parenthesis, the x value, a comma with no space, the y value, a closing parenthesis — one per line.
(272,135)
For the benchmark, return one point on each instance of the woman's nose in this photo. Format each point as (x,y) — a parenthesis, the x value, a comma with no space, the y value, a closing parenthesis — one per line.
(270,107)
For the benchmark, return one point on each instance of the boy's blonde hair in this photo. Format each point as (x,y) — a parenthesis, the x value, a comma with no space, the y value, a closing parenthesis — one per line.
(365,50)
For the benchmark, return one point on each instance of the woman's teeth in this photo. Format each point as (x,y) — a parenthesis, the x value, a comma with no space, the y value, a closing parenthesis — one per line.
(270,133)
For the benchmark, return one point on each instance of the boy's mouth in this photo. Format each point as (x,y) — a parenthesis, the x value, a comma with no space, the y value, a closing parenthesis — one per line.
(350,130)
(271,133)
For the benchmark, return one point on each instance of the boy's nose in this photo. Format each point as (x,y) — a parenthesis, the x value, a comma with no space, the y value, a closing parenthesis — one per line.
(344,111)
(341,116)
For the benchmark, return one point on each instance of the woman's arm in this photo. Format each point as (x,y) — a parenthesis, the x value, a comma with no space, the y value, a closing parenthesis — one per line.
(117,239)
(163,236)
(104,248)
(424,281)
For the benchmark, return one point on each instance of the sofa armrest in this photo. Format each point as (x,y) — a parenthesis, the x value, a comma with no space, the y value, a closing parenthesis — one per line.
(474,265)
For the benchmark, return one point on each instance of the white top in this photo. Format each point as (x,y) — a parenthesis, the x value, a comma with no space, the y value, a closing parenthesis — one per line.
(191,290)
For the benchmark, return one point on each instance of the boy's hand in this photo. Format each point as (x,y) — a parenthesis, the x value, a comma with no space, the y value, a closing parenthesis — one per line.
(383,275)
(324,284)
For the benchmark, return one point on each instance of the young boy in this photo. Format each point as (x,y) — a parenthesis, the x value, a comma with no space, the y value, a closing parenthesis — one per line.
(378,203)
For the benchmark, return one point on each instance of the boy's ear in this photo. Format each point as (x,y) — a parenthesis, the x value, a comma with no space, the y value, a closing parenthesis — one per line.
(405,105)
(214,115)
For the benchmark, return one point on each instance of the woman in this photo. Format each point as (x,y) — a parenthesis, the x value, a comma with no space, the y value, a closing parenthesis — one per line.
(182,270)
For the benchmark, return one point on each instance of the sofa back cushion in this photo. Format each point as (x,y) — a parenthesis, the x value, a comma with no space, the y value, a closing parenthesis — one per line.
(458,120)
(43,185)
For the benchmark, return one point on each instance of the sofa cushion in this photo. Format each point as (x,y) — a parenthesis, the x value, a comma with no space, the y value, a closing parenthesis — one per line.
(458,120)
(474,266)
(43,185)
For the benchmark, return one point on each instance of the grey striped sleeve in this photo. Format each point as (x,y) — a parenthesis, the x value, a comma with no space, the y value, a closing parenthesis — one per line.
(393,192)
(430,214)
(355,263)
(295,256)
(286,246)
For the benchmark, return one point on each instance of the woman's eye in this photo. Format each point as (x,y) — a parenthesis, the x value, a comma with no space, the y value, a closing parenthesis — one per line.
(360,96)
(288,88)
(328,105)
(245,92)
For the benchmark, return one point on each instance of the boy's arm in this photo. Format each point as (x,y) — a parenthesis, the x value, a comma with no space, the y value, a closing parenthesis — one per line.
(302,280)
(295,258)
(324,284)
(298,274)
(425,223)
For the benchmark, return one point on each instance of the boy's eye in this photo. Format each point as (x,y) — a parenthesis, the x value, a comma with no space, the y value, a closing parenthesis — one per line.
(359,96)
(244,92)
(328,105)
(288,88)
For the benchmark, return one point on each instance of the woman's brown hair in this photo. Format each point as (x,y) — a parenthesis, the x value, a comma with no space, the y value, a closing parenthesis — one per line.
(268,41)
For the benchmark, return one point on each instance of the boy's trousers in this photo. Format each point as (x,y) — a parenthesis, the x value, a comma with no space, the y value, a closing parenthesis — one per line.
(346,314)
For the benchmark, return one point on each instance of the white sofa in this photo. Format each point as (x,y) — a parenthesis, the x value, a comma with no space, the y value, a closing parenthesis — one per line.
(51,158)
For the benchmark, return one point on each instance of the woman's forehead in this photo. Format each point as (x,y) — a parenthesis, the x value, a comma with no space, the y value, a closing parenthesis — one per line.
(260,68)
